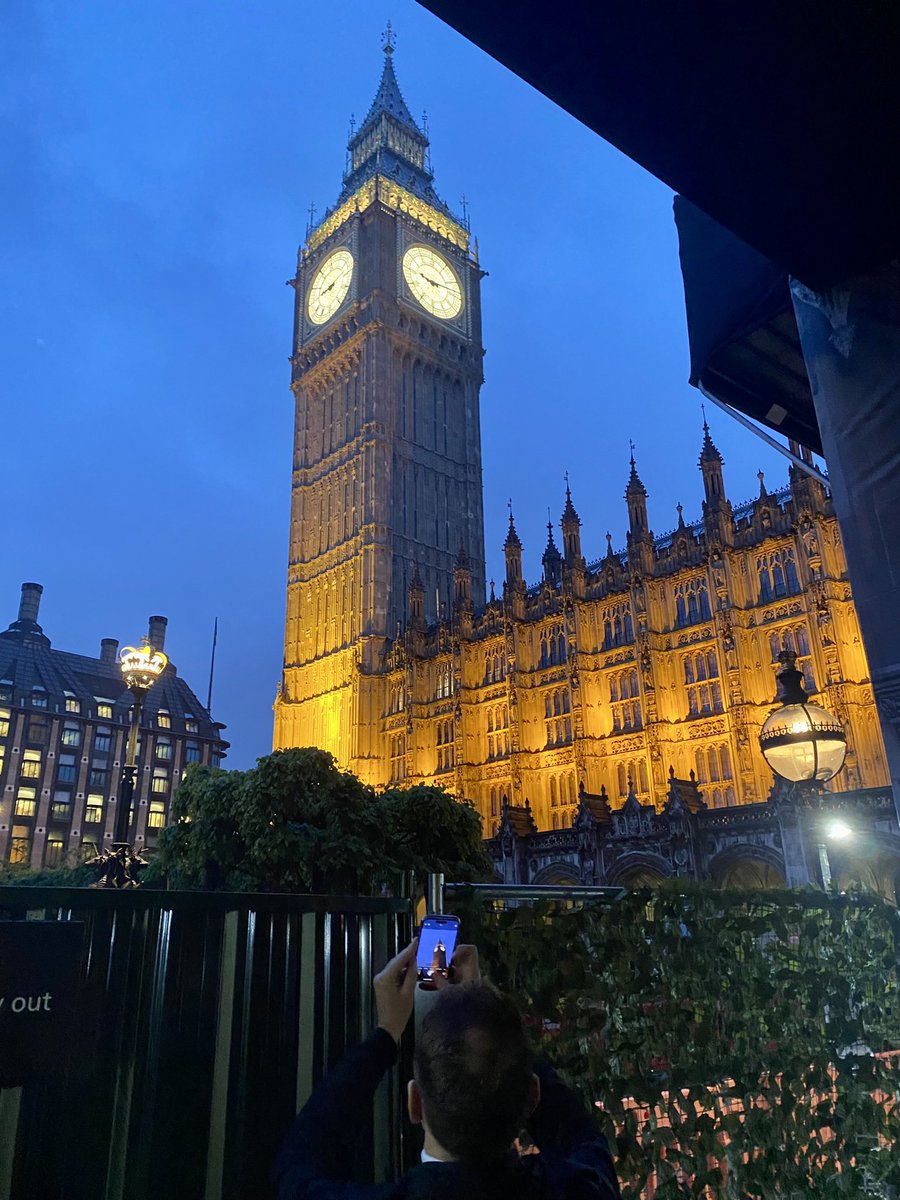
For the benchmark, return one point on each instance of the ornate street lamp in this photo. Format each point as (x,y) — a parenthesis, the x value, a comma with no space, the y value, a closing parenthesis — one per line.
(141,667)
(803,743)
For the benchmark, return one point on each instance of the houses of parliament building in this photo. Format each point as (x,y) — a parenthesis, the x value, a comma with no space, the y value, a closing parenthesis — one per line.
(606,673)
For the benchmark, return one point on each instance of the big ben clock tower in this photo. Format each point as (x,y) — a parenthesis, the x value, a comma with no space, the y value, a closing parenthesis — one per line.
(387,367)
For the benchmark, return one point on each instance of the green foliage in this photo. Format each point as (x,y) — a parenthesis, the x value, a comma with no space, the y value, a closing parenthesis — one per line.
(19,875)
(429,830)
(296,823)
(735,1040)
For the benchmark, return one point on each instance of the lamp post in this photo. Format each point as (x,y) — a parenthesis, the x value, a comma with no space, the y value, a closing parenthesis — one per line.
(141,667)
(803,743)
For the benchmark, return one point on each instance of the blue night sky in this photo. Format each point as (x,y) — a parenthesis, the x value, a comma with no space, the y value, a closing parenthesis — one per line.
(159,161)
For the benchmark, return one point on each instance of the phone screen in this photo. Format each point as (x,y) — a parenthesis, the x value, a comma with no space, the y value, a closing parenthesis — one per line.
(437,939)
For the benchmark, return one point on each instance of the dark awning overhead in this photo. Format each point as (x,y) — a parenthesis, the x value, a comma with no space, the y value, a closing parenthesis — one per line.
(745,348)
(779,118)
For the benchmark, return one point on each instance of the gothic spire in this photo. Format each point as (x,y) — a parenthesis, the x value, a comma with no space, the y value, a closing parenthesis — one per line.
(552,559)
(634,487)
(709,452)
(571,528)
(389,98)
(512,538)
(551,551)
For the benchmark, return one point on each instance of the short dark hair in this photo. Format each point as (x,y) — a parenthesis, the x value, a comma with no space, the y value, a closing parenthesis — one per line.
(473,1066)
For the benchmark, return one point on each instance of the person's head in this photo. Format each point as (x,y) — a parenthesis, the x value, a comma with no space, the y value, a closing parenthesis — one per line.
(473,1081)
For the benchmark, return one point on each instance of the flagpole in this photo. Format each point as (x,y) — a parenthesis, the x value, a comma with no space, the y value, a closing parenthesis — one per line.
(212,665)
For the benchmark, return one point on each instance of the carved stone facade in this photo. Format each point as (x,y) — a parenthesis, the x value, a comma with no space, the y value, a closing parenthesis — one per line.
(602,674)
(387,367)
(853,836)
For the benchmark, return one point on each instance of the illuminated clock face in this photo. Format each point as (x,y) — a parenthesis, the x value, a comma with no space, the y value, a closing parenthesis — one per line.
(432,281)
(329,287)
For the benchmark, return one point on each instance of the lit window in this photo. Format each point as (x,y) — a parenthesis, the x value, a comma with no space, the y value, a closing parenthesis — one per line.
(553,646)
(398,757)
(31,764)
(445,749)
(4,722)
(191,726)
(20,844)
(498,731)
(634,774)
(71,735)
(73,705)
(160,782)
(618,628)
(163,720)
(557,718)
(38,698)
(61,808)
(26,802)
(93,811)
(164,749)
(65,772)
(156,818)
(713,764)
(777,575)
(796,640)
(104,710)
(625,700)
(191,752)
(691,602)
(701,679)
(54,850)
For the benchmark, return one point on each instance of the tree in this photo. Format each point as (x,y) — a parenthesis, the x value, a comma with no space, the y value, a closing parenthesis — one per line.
(297,823)
(430,830)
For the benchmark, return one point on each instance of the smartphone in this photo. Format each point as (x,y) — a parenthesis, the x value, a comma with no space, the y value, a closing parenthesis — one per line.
(437,939)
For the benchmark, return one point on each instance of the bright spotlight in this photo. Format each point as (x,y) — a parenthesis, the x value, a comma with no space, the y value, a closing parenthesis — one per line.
(839,830)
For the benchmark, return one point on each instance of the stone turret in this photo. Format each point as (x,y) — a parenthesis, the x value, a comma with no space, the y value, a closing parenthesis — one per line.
(717,514)
(552,560)
(640,540)
(514,587)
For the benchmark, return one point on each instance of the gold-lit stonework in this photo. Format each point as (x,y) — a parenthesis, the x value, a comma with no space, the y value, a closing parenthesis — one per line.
(432,281)
(393,196)
(329,287)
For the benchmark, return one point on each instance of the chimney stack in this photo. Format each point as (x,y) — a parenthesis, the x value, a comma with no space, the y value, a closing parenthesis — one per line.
(30,603)
(108,649)
(157,633)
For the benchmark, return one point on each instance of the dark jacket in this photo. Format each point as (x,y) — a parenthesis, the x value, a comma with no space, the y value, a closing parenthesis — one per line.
(313,1164)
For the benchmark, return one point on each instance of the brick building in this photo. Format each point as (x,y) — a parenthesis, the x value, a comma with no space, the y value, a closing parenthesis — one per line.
(64,721)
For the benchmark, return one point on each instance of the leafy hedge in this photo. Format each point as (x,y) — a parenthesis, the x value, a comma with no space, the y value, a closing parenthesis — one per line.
(297,823)
(738,1043)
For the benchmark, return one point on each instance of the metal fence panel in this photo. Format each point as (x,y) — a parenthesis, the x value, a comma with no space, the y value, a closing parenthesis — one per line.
(203,1021)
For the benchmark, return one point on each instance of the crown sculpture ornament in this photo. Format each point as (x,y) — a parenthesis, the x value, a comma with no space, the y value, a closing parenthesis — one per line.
(141,666)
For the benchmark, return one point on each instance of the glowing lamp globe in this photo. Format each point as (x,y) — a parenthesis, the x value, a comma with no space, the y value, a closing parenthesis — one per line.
(141,666)
(801,741)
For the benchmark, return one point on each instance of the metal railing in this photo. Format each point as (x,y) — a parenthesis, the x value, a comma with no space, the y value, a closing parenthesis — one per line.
(203,1021)
(437,891)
